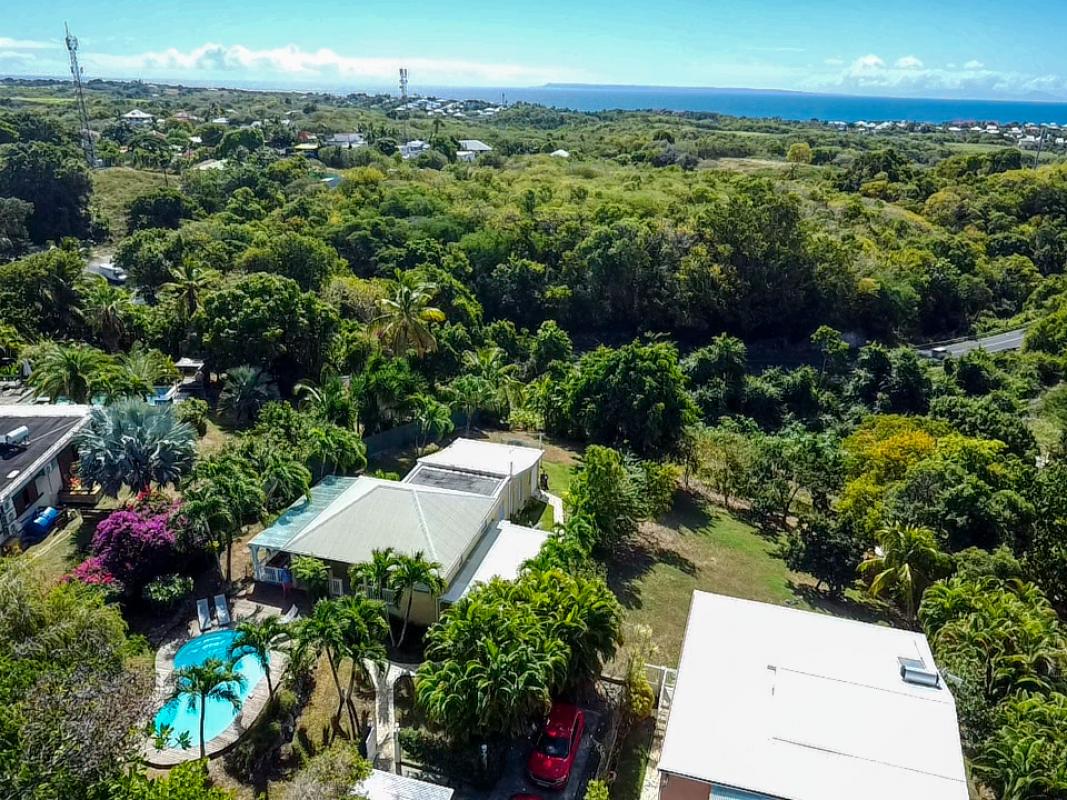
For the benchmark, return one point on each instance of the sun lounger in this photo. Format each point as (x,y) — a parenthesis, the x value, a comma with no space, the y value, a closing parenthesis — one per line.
(222,610)
(291,614)
(203,614)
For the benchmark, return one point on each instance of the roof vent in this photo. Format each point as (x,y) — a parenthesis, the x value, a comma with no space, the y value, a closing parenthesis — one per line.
(19,435)
(915,671)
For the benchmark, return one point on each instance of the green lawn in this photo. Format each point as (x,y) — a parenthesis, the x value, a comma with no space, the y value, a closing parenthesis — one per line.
(115,188)
(559,476)
(700,546)
(59,553)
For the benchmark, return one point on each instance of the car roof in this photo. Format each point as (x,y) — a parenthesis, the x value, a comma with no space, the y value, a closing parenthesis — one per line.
(561,719)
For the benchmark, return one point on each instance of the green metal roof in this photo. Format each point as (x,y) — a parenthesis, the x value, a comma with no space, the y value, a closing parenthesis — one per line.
(295,519)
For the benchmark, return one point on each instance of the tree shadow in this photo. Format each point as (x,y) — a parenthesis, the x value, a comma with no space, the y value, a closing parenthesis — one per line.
(843,606)
(627,566)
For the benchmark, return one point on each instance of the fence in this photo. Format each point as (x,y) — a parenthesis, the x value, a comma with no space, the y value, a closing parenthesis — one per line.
(403,436)
(371,744)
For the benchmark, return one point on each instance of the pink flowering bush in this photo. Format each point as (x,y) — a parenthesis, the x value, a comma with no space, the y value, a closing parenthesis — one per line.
(93,572)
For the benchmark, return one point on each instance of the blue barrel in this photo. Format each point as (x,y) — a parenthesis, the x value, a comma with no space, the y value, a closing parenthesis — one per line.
(44,522)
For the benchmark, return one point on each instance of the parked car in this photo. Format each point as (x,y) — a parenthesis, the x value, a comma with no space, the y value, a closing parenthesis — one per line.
(552,759)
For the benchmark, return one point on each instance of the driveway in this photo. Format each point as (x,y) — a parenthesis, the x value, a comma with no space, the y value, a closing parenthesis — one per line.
(515,781)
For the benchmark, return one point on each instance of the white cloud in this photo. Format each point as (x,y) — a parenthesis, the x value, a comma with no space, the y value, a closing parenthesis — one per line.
(908,77)
(834,62)
(295,63)
(974,64)
(9,44)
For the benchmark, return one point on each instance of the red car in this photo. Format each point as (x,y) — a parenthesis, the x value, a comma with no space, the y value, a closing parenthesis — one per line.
(553,756)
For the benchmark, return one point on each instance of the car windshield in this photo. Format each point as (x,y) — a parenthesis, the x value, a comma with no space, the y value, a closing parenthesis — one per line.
(554,746)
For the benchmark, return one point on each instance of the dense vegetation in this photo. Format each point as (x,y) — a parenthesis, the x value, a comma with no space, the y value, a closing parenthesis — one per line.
(728,302)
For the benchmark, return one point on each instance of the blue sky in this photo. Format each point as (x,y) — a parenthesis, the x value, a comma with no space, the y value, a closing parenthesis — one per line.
(948,48)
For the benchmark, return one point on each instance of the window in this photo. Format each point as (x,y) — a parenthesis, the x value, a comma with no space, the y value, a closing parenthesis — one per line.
(27,497)
(337,587)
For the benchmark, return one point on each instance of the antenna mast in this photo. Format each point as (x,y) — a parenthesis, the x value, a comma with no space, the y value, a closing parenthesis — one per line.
(83,111)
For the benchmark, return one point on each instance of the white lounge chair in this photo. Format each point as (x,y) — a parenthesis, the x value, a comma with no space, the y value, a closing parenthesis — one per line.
(291,614)
(203,614)
(222,610)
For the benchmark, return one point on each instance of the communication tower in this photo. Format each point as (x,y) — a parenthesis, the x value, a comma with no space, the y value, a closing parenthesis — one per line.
(83,111)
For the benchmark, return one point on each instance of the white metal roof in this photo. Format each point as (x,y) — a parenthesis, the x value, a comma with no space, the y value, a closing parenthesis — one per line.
(481,456)
(500,554)
(389,786)
(372,514)
(476,145)
(806,706)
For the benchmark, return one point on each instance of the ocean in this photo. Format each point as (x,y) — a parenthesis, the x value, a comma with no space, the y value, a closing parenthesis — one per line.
(757,103)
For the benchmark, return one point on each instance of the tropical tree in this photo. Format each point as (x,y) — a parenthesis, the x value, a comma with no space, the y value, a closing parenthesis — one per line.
(375,576)
(907,561)
(188,281)
(209,517)
(244,392)
(259,638)
(403,323)
(147,368)
(471,393)
(490,364)
(434,420)
(313,574)
(333,400)
(131,443)
(364,627)
(73,371)
(214,679)
(322,633)
(411,573)
(106,309)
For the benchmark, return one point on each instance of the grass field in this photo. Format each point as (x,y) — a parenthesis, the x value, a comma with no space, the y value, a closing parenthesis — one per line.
(115,188)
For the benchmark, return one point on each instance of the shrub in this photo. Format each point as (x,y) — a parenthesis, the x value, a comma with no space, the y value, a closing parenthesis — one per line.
(134,546)
(596,790)
(167,591)
(256,749)
(193,412)
(455,763)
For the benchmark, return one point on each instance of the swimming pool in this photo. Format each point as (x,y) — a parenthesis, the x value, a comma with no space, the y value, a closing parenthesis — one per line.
(219,713)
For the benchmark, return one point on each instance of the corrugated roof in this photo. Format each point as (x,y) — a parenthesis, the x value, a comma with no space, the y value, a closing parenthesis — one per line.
(500,554)
(372,514)
(51,428)
(302,513)
(480,456)
(767,700)
(381,785)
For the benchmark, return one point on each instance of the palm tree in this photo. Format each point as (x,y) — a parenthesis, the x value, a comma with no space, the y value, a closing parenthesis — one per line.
(260,638)
(313,574)
(208,514)
(364,627)
(490,364)
(375,575)
(323,633)
(433,417)
(471,393)
(413,572)
(131,443)
(333,400)
(245,391)
(148,368)
(403,323)
(284,479)
(214,679)
(72,371)
(106,309)
(906,562)
(187,282)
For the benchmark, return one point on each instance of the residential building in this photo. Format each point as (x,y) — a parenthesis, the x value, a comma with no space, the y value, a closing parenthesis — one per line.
(774,703)
(36,453)
(453,507)
(470,149)
(382,785)
(349,141)
(413,148)
(138,118)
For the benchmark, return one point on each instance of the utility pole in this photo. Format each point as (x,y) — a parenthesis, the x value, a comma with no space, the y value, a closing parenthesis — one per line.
(83,111)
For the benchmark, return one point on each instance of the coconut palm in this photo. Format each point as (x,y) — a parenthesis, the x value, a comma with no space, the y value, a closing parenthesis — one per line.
(333,400)
(284,479)
(209,516)
(403,323)
(106,309)
(244,392)
(907,561)
(322,633)
(434,420)
(73,371)
(375,575)
(490,364)
(410,573)
(214,679)
(131,443)
(259,638)
(471,393)
(332,448)
(187,282)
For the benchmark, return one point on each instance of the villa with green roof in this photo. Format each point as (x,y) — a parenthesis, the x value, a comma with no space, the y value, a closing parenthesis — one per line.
(453,507)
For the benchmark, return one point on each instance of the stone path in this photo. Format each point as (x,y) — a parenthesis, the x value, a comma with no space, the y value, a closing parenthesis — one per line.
(385,723)
(557,505)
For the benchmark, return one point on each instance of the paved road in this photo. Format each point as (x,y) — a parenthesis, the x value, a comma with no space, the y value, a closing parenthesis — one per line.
(997,343)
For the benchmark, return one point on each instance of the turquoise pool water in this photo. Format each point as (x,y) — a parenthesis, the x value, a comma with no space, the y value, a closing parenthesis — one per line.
(219,714)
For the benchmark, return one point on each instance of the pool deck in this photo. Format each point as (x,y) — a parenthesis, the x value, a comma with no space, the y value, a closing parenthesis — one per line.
(241,611)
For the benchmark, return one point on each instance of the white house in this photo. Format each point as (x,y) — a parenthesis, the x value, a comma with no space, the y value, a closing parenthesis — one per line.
(349,141)
(413,148)
(560,153)
(774,703)
(470,149)
(138,118)
(36,453)
(453,507)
